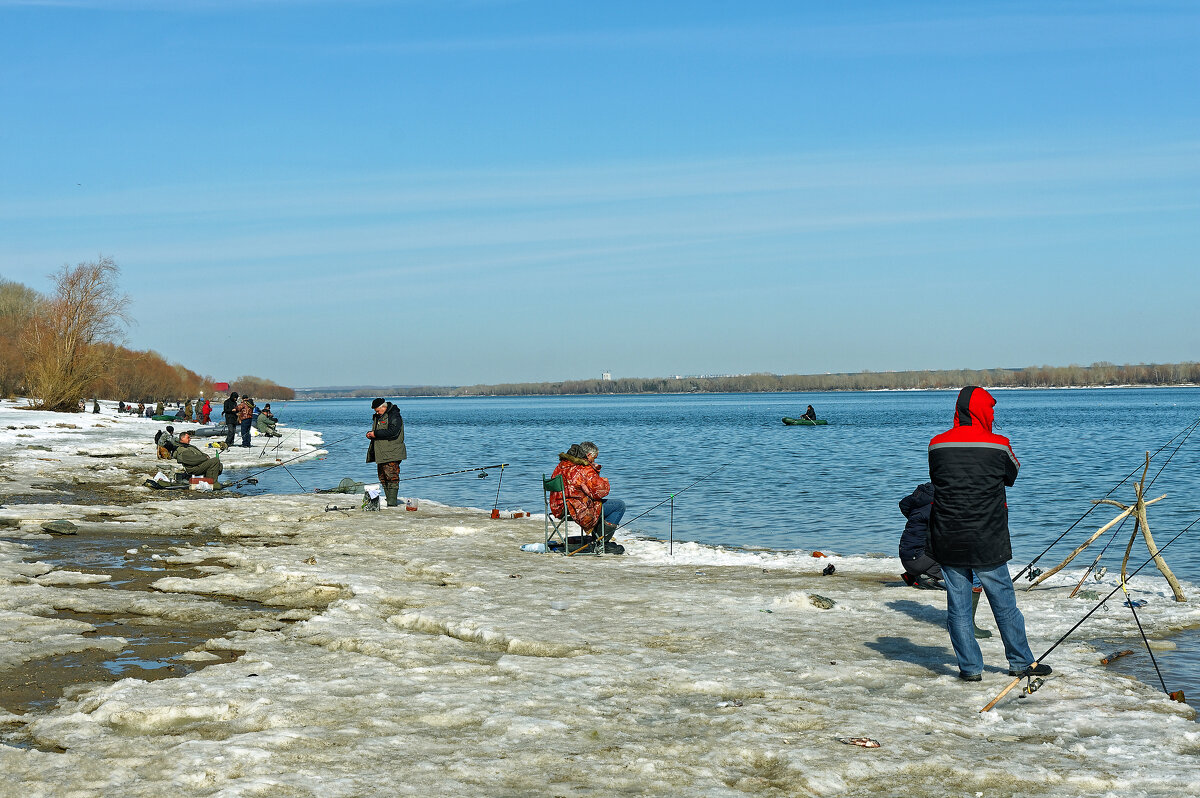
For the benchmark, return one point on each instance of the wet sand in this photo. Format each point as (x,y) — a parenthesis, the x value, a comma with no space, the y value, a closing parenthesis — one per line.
(154,645)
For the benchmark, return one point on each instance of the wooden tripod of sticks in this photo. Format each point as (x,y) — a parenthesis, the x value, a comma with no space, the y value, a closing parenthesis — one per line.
(1140,524)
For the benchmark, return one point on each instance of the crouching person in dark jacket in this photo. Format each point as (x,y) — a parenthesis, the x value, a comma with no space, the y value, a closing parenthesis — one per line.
(264,422)
(921,570)
(196,462)
(166,443)
(387,450)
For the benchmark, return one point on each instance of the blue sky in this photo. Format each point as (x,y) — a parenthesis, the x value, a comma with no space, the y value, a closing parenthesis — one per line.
(334,193)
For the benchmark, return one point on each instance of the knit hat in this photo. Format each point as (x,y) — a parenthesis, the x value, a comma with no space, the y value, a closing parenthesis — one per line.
(376,403)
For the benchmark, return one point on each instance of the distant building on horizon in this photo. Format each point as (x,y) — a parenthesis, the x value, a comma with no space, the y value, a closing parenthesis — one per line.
(606,376)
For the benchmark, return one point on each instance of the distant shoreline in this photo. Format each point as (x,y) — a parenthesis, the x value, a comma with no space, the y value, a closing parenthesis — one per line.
(408,394)
(1097,375)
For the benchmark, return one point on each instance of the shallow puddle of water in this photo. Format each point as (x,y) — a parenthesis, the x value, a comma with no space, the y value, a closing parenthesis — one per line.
(153,650)
(132,562)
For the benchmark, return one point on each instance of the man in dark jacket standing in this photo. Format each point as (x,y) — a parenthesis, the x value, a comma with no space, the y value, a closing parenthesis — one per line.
(387,447)
(968,532)
(229,409)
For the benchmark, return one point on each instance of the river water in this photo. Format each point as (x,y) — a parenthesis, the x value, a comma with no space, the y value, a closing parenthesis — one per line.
(833,488)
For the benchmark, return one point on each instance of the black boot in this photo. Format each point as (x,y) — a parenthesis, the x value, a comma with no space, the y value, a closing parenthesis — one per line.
(980,634)
(607,535)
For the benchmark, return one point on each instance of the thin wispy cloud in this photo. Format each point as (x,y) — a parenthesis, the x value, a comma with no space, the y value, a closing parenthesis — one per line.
(983,169)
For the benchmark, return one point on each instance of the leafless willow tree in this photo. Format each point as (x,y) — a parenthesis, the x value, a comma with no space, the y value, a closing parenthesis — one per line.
(63,343)
(18,304)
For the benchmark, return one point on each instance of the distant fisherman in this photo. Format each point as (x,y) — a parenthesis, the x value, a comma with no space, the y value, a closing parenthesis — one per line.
(970,466)
(229,411)
(245,416)
(265,422)
(387,450)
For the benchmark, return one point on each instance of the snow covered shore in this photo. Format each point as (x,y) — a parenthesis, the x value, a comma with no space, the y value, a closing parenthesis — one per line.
(422,653)
(110,448)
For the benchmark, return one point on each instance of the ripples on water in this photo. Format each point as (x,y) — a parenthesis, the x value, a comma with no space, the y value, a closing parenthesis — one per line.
(832,488)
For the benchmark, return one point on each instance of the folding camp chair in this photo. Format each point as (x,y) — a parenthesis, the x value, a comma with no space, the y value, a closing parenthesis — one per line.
(557,535)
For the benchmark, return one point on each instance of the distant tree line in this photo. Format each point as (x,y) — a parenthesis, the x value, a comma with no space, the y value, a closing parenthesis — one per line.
(260,388)
(64,347)
(1097,374)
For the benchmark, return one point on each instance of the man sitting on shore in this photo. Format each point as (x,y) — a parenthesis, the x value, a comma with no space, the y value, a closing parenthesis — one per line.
(264,422)
(585,489)
(194,461)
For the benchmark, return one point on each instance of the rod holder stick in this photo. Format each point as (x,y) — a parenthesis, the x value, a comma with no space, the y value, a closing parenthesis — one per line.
(499,482)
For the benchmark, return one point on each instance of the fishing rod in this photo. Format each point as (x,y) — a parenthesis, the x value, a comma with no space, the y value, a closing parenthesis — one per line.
(293,476)
(282,437)
(481,469)
(1113,537)
(248,477)
(267,443)
(280,441)
(1188,430)
(1130,603)
(672,496)
(1119,587)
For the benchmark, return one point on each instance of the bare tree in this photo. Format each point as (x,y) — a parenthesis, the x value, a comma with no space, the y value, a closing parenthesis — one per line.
(18,304)
(63,341)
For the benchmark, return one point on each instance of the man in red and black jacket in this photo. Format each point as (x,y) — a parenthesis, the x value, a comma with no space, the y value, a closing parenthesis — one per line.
(970,466)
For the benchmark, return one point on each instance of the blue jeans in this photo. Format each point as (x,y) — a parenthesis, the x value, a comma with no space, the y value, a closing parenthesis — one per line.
(614,509)
(998,587)
(246,432)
